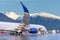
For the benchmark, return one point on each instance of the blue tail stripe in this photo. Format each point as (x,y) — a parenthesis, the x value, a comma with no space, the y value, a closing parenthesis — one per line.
(24,7)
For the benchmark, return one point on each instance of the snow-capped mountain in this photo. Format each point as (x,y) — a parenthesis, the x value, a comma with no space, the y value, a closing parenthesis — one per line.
(44,14)
(12,15)
(5,18)
(50,21)
(15,16)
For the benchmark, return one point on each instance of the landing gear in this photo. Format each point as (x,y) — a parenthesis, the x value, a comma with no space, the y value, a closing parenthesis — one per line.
(18,33)
(12,33)
(15,33)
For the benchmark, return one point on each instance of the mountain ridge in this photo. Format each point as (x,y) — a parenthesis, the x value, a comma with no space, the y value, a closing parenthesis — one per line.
(43,14)
(5,18)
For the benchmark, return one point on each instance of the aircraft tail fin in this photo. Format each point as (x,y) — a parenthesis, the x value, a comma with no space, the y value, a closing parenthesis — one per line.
(26,17)
(24,7)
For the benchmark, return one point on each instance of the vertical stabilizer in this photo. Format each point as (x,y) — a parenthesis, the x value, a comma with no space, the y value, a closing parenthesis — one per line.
(26,15)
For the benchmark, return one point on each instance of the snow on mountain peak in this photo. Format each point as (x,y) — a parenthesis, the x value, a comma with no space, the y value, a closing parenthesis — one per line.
(44,14)
(34,14)
(12,15)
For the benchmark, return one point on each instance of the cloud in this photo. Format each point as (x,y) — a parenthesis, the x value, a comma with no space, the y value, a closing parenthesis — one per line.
(12,15)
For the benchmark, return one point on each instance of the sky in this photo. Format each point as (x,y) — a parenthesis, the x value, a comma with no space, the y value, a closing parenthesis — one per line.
(34,6)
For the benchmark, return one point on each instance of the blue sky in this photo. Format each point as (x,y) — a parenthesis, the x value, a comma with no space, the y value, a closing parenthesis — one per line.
(34,6)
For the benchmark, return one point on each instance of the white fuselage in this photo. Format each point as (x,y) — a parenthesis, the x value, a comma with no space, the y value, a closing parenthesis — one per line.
(11,26)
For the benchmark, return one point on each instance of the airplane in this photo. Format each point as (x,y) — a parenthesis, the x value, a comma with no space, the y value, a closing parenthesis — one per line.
(9,26)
